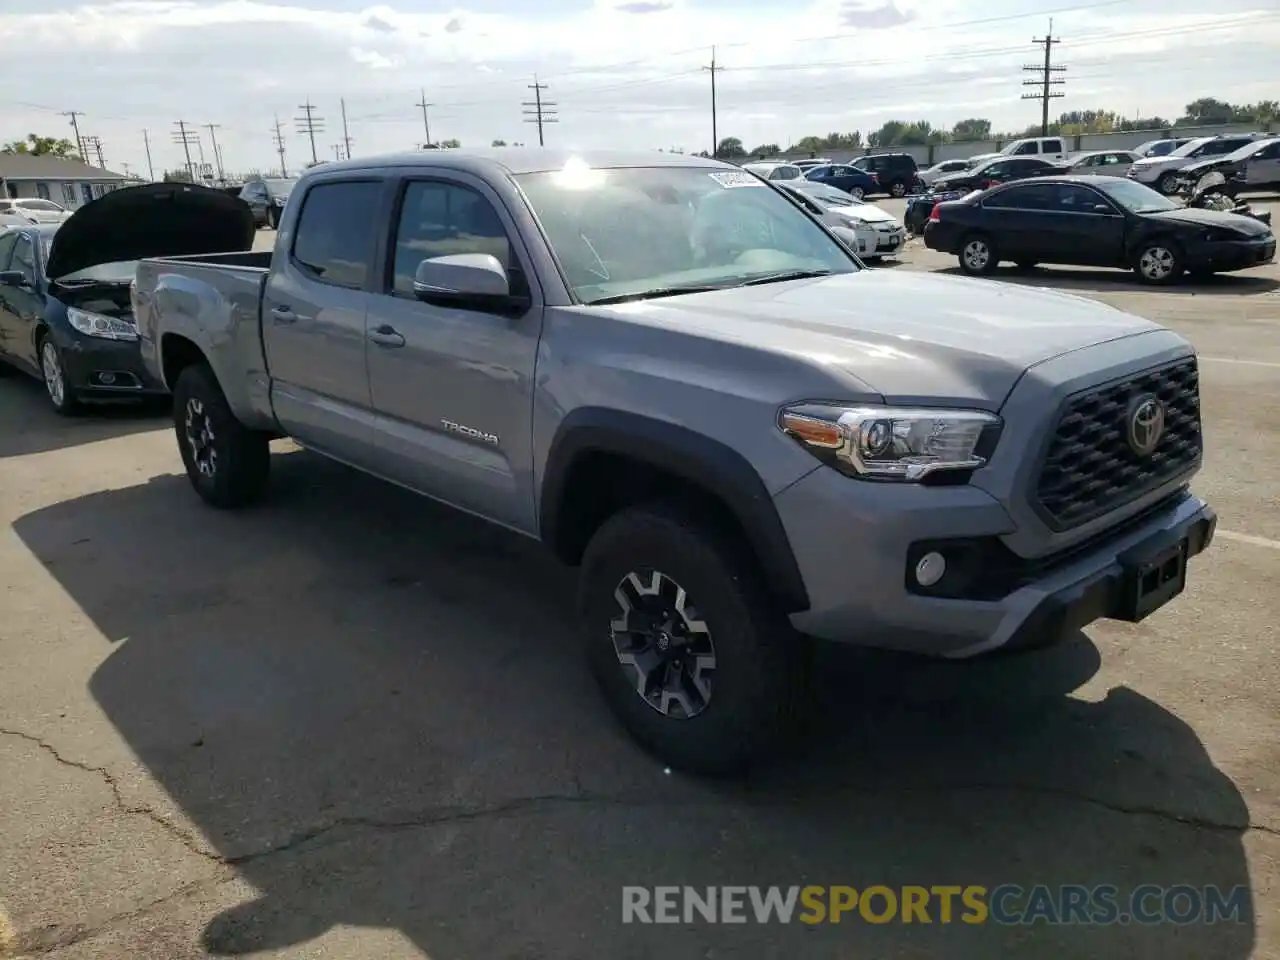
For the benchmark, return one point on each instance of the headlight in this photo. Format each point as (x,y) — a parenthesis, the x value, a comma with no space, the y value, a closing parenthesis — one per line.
(889,443)
(97,325)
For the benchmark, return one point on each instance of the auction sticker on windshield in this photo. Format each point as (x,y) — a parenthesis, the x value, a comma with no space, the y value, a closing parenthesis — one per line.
(736,178)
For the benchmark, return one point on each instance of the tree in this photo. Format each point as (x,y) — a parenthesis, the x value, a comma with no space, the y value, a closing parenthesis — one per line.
(974,128)
(449,144)
(39,146)
(730,148)
(176,176)
(766,150)
(498,143)
(1207,110)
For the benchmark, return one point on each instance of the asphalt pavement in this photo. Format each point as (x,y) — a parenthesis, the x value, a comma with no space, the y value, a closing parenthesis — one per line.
(351,724)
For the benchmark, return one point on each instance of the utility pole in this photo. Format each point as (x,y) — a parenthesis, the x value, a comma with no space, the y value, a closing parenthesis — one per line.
(73,114)
(715,137)
(346,137)
(1045,81)
(426,126)
(310,124)
(186,137)
(94,144)
(337,150)
(217,154)
(539,111)
(279,138)
(146,142)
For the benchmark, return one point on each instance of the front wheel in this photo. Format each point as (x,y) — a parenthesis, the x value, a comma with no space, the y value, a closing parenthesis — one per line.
(1167,183)
(1158,262)
(898,189)
(226,462)
(857,193)
(978,255)
(687,644)
(56,384)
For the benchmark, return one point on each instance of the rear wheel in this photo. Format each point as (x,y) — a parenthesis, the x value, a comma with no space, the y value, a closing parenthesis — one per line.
(686,642)
(227,463)
(898,189)
(56,385)
(1158,262)
(978,255)
(857,193)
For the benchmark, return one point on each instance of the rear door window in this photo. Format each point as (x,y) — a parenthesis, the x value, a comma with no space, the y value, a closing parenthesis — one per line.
(1053,146)
(1038,196)
(334,238)
(1027,149)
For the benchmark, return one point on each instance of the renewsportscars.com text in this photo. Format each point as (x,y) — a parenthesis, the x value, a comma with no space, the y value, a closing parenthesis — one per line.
(1101,904)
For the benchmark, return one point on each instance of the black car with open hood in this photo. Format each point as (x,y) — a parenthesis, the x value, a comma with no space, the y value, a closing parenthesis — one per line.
(66,314)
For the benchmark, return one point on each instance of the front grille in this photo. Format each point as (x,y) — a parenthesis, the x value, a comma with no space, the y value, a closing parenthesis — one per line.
(1090,467)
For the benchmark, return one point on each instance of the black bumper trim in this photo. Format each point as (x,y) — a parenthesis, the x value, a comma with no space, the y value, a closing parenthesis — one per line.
(1099,597)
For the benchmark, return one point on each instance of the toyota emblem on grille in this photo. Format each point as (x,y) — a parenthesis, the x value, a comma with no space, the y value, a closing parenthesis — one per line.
(1146,425)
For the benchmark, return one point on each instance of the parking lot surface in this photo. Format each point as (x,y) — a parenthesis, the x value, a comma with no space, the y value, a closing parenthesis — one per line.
(351,724)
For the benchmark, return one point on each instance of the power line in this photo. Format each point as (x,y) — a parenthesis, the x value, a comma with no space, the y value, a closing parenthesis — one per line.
(75,126)
(715,137)
(310,124)
(186,137)
(278,136)
(346,137)
(542,110)
(217,152)
(426,126)
(1046,80)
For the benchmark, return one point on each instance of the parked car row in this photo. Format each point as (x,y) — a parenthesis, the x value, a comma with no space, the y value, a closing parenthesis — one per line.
(891,174)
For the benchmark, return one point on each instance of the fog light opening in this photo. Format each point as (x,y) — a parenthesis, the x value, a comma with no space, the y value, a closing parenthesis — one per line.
(107,378)
(930,569)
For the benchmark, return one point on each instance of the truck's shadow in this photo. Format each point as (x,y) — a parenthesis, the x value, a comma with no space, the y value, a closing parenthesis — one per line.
(375,710)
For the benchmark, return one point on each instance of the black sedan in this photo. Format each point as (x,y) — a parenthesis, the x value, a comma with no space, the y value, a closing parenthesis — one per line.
(1095,221)
(988,173)
(66,312)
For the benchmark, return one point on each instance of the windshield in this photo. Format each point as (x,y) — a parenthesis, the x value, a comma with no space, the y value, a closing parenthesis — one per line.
(653,230)
(1134,197)
(119,271)
(832,196)
(1189,147)
(46,205)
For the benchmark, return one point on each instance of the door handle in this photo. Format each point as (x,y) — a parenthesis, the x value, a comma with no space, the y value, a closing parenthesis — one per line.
(283,315)
(386,336)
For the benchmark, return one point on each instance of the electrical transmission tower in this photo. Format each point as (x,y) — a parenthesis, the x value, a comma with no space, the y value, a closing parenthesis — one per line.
(539,111)
(1045,81)
(94,144)
(426,126)
(278,136)
(712,68)
(217,152)
(186,137)
(310,123)
(75,126)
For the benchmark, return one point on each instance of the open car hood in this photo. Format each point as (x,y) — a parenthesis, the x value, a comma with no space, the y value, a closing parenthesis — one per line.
(153,220)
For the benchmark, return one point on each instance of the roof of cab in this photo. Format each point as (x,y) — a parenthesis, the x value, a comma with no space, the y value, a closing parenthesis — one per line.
(515,160)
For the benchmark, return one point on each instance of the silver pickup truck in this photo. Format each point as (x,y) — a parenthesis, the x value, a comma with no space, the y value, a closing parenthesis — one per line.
(679,381)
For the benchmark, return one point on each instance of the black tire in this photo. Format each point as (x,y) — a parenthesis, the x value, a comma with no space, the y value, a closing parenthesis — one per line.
(1165,182)
(1160,251)
(64,402)
(897,189)
(753,695)
(971,263)
(273,218)
(241,458)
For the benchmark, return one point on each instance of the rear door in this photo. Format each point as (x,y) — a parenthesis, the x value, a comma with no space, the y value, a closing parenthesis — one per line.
(1017,219)
(1053,149)
(452,385)
(313,316)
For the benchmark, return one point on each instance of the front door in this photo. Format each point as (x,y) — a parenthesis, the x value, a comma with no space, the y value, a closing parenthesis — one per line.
(1084,227)
(1263,168)
(23,305)
(7,320)
(313,319)
(453,387)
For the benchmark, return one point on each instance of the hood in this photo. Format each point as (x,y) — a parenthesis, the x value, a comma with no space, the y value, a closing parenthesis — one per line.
(153,220)
(1204,166)
(1196,217)
(44,216)
(863,212)
(905,335)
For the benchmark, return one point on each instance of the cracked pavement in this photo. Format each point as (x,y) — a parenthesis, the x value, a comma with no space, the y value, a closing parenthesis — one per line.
(352,724)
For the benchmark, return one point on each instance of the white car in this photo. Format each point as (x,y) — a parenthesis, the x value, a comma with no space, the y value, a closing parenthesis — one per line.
(1102,163)
(941,169)
(879,233)
(34,210)
(770,170)
(1161,173)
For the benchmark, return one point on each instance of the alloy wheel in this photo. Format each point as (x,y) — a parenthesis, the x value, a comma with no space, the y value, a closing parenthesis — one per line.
(1156,263)
(200,438)
(663,644)
(977,255)
(51,368)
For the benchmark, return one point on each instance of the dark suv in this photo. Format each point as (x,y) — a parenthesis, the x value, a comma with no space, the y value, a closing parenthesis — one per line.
(266,197)
(897,172)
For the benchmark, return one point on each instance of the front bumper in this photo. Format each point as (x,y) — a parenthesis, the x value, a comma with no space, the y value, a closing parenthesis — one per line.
(890,241)
(99,368)
(856,573)
(1231,254)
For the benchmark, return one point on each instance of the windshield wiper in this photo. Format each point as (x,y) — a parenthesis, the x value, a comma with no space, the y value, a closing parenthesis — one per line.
(650,294)
(786,275)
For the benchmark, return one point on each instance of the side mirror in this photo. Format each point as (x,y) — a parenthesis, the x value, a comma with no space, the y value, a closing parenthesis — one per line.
(13,278)
(1101,208)
(461,276)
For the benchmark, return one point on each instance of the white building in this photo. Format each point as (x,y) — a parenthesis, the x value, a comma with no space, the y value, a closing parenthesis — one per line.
(70,183)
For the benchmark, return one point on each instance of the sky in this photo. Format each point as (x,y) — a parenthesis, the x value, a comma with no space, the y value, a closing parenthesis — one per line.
(621,73)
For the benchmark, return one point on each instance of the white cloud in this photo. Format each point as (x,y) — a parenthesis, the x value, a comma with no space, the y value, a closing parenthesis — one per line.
(622,72)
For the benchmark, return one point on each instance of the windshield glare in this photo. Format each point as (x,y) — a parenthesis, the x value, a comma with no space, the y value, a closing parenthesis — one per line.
(279,186)
(1134,197)
(626,231)
(119,271)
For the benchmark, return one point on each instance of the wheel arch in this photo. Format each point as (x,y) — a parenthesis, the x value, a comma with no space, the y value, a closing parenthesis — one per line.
(602,459)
